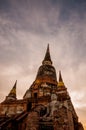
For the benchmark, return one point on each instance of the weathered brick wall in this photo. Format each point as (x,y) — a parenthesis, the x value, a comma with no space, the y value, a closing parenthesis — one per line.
(32,121)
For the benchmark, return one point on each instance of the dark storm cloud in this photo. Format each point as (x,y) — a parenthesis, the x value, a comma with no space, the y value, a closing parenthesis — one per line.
(44,19)
(42,12)
(4,4)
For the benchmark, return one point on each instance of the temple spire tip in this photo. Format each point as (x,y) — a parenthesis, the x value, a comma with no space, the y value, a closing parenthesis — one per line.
(60,83)
(47,58)
(60,77)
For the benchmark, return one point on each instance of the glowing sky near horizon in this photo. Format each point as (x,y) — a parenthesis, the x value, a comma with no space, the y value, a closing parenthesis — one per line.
(26,27)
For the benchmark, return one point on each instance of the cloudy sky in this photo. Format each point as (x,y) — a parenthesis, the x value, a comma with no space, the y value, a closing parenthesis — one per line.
(26,27)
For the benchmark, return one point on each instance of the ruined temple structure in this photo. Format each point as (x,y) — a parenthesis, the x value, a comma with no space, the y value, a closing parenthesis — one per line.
(46,105)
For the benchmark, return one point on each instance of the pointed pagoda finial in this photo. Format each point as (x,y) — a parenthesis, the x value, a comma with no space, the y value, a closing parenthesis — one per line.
(48,47)
(60,83)
(47,58)
(12,94)
(60,77)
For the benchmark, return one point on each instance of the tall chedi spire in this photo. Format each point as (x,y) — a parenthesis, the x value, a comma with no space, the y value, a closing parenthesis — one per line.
(47,69)
(12,94)
(46,80)
(47,58)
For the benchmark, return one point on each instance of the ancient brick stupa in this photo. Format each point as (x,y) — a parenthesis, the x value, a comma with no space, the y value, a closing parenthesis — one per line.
(46,105)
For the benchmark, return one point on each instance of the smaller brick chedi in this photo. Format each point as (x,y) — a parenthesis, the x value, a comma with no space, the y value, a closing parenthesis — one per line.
(45,105)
